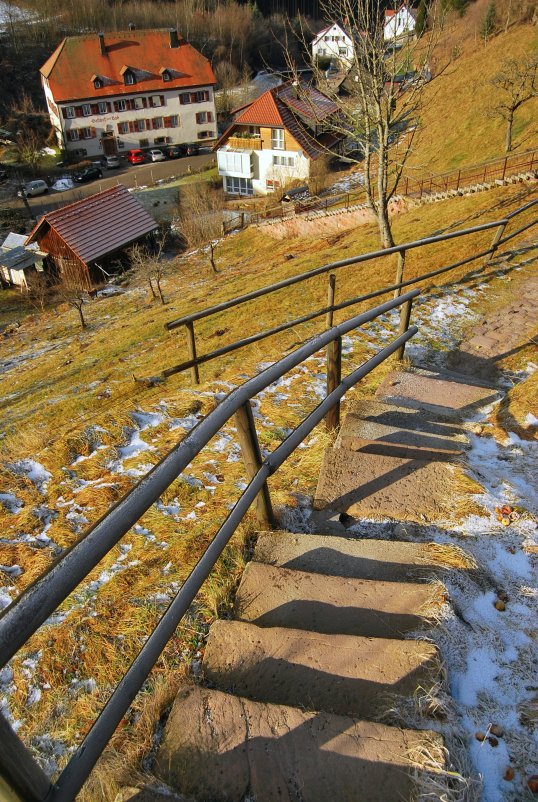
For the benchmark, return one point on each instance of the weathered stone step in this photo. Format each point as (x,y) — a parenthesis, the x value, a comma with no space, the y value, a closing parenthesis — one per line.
(366,558)
(270,596)
(447,394)
(380,486)
(343,674)
(225,748)
(373,427)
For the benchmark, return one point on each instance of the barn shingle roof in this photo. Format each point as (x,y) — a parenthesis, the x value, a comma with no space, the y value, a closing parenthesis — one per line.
(98,225)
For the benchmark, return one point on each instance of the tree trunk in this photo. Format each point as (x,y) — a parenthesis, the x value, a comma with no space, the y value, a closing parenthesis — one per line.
(81,316)
(509,124)
(160,291)
(150,282)
(383,223)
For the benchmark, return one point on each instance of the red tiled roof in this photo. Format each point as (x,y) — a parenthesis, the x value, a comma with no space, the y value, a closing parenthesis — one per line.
(98,225)
(78,59)
(283,107)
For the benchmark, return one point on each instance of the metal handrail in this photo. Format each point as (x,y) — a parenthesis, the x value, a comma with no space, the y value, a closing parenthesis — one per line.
(37,602)
(195,359)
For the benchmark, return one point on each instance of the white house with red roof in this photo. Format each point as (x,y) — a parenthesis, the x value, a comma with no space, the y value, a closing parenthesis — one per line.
(276,139)
(399,22)
(333,42)
(110,92)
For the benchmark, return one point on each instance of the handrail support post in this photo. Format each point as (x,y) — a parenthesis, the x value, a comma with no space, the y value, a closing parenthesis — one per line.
(400,265)
(495,242)
(252,458)
(334,377)
(191,348)
(405,317)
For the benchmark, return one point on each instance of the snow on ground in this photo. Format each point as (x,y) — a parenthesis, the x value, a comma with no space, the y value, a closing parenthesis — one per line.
(11,503)
(34,471)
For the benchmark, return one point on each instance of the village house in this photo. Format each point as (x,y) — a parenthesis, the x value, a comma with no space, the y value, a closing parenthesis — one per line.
(281,137)
(19,263)
(81,238)
(114,92)
(333,42)
(399,22)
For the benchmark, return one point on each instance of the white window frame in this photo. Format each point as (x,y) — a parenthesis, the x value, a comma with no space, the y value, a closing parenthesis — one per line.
(156,101)
(103,107)
(70,112)
(128,78)
(174,121)
(87,109)
(74,135)
(122,105)
(138,103)
(140,126)
(277,139)
(157,123)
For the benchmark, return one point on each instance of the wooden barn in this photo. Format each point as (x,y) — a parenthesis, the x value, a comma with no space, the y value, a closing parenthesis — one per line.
(83,236)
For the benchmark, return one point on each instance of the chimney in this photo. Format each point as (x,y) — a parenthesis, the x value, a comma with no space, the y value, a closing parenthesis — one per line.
(174,38)
(132,26)
(102,45)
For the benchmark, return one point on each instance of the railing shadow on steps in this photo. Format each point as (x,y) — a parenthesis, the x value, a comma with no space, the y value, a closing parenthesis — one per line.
(188,321)
(21,778)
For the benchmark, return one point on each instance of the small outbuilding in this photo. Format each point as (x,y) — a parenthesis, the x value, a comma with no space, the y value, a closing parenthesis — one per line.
(19,263)
(83,236)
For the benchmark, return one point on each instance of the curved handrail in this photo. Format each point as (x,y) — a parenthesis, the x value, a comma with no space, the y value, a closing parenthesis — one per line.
(39,600)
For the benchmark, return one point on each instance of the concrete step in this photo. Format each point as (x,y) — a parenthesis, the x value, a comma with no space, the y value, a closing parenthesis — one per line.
(270,596)
(225,748)
(387,560)
(435,392)
(376,428)
(343,674)
(379,486)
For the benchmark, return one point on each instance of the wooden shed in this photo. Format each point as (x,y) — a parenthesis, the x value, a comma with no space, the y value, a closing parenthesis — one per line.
(85,234)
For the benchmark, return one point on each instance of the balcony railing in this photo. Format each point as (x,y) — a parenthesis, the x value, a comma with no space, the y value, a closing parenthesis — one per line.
(245,142)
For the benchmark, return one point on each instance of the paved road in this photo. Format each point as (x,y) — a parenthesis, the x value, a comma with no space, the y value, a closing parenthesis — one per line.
(131,176)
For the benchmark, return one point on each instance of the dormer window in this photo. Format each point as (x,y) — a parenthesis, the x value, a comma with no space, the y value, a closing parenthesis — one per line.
(129,78)
(166,75)
(97,83)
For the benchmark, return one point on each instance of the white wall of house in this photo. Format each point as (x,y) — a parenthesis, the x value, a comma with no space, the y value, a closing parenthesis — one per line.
(163,120)
(260,172)
(334,43)
(399,24)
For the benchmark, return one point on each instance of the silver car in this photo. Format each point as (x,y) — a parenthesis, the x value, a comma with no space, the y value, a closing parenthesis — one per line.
(157,155)
(109,162)
(32,188)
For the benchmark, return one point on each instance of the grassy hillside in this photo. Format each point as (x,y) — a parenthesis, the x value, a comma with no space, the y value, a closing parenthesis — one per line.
(69,402)
(456,130)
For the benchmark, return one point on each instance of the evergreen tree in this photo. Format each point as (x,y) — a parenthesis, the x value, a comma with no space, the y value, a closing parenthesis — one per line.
(489,22)
(422,18)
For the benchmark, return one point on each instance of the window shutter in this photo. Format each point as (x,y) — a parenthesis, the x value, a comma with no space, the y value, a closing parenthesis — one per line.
(116,108)
(95,108)
(162,100)
(131,126)
(145,102)
(167,122)
(209,116)
(182,100)
(94,132)
(64,114)
(154,123)
(148,125)
(78,111)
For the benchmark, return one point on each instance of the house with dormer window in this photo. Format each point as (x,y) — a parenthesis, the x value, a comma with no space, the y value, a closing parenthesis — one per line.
(279,138)
(335,43)
(113,92)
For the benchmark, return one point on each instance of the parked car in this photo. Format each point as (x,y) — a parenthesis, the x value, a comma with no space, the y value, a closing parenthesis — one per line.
(157,155)
(188,149)
(32,188)
(135,157)
(89,174)
(109,162)
(173,152)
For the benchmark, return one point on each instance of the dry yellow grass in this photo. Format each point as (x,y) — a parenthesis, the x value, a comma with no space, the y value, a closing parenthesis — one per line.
(50,402)
(456,130)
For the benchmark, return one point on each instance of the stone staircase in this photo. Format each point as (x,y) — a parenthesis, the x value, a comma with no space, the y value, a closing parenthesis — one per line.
(299,687)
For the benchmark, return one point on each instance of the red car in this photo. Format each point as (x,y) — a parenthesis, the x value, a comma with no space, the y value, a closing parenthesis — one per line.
(135,157)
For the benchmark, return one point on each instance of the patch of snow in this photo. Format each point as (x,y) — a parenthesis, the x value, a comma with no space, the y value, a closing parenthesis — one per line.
(531,420)
(34,471)
(146,420)
(187,423)
(12,570)
(11,503)
(108,292)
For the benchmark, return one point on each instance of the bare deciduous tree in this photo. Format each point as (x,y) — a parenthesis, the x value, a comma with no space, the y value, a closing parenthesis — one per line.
(384,93)
(200,213)
(514,85)
(148,265)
